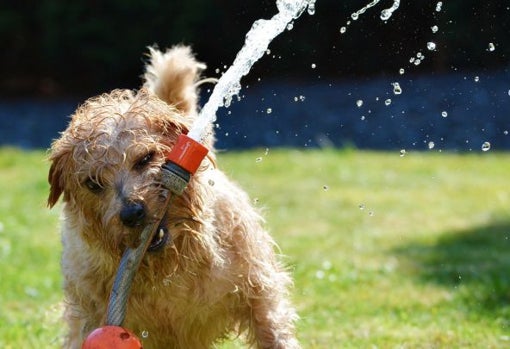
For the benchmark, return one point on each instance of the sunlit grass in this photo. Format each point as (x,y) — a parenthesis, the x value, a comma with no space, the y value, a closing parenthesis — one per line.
(386,251)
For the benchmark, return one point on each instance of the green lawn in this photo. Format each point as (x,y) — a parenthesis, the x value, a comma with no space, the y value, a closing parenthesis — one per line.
(387,251)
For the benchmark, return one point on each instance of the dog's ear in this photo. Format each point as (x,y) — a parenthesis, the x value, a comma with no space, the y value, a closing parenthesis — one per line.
(172,76)
(56,176)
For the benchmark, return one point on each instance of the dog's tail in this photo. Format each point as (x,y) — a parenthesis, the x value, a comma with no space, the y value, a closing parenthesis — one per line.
(172,76)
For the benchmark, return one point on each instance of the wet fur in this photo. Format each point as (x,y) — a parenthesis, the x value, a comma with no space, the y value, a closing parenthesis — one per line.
(218,278)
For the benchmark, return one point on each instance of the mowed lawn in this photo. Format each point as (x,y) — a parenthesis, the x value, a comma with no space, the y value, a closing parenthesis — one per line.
(387,251)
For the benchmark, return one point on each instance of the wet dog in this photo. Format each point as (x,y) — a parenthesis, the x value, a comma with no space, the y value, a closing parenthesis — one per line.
(210,272)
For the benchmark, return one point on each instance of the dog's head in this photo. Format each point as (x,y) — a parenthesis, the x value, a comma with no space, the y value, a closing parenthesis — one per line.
(107,163)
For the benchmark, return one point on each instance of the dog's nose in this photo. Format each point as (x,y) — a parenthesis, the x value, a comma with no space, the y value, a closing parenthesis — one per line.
(132,213)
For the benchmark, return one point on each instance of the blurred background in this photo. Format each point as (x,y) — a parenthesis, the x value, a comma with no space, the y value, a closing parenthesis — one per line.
(328,81)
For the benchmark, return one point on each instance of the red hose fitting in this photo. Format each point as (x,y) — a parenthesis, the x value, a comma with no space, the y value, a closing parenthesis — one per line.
(182,162)
(187,153)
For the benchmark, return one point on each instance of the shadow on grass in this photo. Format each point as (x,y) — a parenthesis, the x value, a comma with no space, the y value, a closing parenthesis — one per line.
(475,263)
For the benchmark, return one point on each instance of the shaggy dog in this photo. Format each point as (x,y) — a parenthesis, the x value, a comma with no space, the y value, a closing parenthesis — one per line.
(211,274)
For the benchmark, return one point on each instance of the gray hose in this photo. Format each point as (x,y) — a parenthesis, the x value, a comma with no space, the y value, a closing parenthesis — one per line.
(125,273)
(175,179)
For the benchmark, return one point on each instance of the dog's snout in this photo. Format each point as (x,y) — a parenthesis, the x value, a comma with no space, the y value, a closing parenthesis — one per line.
(132,213)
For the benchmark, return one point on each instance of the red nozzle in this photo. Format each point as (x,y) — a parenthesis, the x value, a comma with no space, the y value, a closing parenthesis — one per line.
(187,153)
(111,337)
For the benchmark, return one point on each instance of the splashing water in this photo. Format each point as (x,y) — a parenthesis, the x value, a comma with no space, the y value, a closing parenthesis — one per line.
(431,46)
(256,44)
(386,13)
(396,88)
(486,146)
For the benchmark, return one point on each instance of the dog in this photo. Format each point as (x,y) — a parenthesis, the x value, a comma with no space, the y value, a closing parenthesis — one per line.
(211,272)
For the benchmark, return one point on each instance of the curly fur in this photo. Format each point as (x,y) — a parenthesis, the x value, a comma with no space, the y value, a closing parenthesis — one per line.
(218,277)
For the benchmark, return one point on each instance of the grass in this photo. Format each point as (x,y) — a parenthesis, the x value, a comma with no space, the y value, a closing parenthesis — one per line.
(386,251)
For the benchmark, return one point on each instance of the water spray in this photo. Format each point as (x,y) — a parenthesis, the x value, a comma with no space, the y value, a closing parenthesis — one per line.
(257,41)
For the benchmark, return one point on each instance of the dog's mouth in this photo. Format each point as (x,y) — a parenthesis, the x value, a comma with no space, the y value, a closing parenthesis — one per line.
(161,236)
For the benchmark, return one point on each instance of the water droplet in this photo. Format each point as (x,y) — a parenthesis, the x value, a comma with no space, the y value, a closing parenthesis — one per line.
(371,213)
(362,117)
(313,66)
(434,28)
(431,145)
(266,151)
(491,47)
(361,206)
(359,103)
(290,25)
(269,110)
(343,30)
(476,78)
(145,334)
(444,113)
(255,200)
(431,46)
(439,6)
(211,182)
(355,16)
(302,98)
(268,52)
(402,152)
(387,102)
(505,132)
(396,88)
(385,14)
(401,71)
(217,70)
(486,146)
(417,61)
(325,187)
(311,8)
(259,159)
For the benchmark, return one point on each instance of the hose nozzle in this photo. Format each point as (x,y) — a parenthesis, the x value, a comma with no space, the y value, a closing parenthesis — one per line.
(182,162)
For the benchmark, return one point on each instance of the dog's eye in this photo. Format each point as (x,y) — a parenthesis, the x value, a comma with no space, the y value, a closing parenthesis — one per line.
(93,186)
(144,161)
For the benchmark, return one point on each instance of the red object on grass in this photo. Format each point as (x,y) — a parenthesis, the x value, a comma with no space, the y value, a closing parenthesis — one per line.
(111,337)
(187,153)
